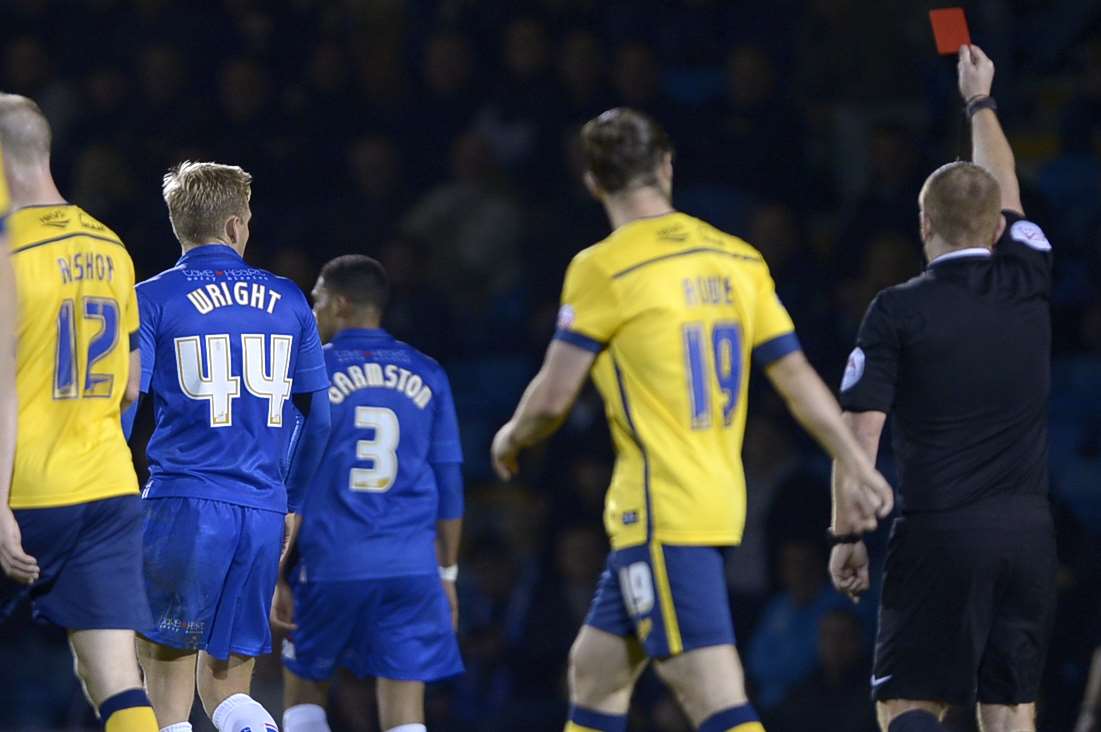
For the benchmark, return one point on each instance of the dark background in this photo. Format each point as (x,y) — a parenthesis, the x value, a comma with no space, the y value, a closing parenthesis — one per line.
(440,137)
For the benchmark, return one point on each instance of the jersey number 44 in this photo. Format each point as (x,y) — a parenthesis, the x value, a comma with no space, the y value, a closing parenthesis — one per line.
(218,385)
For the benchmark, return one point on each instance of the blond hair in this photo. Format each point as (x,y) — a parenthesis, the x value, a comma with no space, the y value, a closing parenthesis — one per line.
(963,203)
(201,197)
(24,131)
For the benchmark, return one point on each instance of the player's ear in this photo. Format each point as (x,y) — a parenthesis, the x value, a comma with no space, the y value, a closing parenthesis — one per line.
(667,165)
(341,306)
(926,226)
(1000,229)
(593,187)
(233,233)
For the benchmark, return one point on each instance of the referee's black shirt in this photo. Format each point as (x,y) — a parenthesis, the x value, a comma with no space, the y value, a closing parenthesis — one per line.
(961,356)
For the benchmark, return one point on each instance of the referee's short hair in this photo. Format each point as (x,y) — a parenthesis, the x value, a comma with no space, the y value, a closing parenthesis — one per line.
(360,279)
(963,203)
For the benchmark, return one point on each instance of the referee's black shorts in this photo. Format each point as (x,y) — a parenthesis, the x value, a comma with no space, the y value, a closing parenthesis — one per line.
(967,606)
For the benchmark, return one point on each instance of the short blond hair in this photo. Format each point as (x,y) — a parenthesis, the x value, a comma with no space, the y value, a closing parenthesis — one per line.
(963,203)
(201,197)
(24,131)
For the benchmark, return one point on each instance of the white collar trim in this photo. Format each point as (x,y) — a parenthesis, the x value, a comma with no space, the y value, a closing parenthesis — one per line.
(969,252)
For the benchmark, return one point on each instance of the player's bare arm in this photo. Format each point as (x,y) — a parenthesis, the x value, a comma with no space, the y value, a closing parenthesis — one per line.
(866,427)
(17,564)
(1089,716)
(867,495)
(849,562)
(449,533)
(545,403)
(306,456)
(990,148)
(133,381)
(282,604)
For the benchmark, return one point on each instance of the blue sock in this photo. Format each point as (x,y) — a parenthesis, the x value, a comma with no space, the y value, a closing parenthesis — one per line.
(734,719)
(586,720)
(915,721)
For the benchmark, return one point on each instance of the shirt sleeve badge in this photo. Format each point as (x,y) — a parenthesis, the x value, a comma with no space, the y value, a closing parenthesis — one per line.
(854,369)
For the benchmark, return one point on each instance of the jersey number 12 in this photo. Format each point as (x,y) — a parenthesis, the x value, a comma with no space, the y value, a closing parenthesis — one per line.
(66,380)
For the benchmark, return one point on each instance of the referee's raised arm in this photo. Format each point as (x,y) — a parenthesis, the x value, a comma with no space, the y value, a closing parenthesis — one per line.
(959,358)
(989,146)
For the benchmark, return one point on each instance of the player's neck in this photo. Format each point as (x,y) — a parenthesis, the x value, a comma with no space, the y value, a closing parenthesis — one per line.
(188,247)
(643,203)
(368,323)
(34,188)
(938,247)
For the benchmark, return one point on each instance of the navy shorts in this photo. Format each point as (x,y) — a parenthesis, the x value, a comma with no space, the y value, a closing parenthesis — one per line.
(672,598)
(397,628)
(210,571)
(89,557)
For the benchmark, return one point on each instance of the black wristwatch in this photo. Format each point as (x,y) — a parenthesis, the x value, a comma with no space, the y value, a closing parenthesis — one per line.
(981,101)
(835,539)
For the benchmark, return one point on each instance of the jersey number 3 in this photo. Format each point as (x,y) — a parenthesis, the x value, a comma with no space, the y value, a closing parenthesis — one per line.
(726,349)
(220,387)
(380,450)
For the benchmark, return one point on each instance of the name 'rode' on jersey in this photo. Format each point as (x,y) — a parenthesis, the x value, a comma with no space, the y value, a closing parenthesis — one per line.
(224,346)
(372,510)
(675,308)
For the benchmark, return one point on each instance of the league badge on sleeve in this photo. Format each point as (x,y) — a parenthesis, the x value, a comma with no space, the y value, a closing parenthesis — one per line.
(854,369)
(1030,235)
(565,317)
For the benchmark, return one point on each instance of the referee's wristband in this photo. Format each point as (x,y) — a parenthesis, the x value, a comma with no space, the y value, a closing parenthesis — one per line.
(835,539)
(449,574)
(980,102)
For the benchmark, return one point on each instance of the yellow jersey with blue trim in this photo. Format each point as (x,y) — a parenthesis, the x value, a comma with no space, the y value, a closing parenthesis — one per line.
(675,308)
(78,322)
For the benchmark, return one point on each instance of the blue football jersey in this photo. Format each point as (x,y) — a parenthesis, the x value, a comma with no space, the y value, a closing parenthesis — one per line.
(371,512)
(223,347)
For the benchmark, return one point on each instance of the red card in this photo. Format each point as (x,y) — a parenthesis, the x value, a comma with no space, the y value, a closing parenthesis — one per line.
(949,30)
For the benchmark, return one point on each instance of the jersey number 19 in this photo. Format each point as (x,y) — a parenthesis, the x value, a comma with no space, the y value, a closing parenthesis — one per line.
(726,350)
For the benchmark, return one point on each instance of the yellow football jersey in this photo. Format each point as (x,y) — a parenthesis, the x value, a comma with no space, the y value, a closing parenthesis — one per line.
(675,308)
(78,319)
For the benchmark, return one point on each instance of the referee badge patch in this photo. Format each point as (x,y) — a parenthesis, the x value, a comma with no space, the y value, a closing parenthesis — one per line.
(1030,235)
(854,369)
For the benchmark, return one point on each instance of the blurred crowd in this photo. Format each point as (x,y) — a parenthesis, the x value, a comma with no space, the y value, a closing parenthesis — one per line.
(440,137)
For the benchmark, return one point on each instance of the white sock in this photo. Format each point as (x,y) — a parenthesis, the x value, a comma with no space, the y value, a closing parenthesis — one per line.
(305,718)
(178,727)
(240,711)
(408,728)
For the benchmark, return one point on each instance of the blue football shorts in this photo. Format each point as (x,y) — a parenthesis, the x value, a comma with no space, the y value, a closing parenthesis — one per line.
(672,598)
(397,628)
(210,571)
(89,560)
